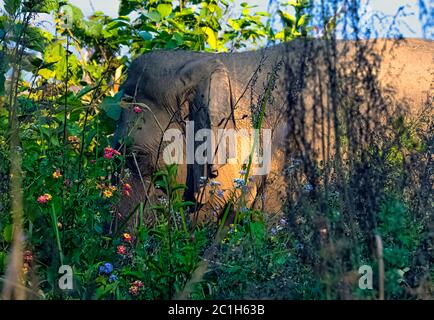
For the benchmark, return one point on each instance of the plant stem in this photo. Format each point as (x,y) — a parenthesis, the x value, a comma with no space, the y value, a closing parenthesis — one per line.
(56,232)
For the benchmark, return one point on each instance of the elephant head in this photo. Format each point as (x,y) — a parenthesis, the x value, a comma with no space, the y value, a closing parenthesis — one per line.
(163,91)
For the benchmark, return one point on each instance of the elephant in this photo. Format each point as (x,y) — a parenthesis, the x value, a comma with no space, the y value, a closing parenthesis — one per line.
(296,89)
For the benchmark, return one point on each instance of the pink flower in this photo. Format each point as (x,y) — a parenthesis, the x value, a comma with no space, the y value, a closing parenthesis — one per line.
(110,152)
(121,250)
(133,290)
(127,189)
(138,284)
(44,198)
(137,109)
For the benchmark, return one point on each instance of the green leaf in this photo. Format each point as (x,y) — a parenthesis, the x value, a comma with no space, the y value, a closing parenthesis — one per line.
(164,9)
(302,20)
(127,6)
(7,233)
(11,6)
(145,35)
(154,16)
(92,28)
(112,108)
(2,261)
(178,38)
(2,83)
(73,13)
(44,6)
(258,231)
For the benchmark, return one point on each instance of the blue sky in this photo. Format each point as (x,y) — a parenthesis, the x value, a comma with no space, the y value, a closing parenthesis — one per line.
(388,7)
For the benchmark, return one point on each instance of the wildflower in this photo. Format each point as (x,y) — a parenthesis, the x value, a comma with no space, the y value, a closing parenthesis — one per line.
(239,182)
(220,193)
(308,187)
(44,198)
(163,201)
(127,189)
(28,256)
(138,284)
(215,183)
(274,231)
(107,193)
(110,152)
(251,179)
(282,222)
(57,174)
(101,270)
(127,237)
(25,268)
(106,268)
(113,278)
(243,172)
(133,290)
(137,109)
(121,250)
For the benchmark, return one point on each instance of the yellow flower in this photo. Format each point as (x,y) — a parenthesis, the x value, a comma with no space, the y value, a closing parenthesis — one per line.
(127,237)
(44,198)
(112,188)
(107,193)
(57,174)
(25,268)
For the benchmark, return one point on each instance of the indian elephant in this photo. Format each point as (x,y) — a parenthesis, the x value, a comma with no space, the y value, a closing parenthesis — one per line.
(299,88)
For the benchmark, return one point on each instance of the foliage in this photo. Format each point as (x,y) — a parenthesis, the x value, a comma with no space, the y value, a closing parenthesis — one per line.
(67,101)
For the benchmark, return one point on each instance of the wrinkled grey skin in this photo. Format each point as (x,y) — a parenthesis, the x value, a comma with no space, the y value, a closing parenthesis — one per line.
(217,91)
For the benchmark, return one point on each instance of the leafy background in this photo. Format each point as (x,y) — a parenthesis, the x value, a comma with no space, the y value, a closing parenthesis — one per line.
(58,107)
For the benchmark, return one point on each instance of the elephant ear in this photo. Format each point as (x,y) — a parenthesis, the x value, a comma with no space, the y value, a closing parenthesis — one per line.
(210,107)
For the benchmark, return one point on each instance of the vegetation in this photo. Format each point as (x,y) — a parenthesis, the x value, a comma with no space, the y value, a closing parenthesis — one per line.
(59,103)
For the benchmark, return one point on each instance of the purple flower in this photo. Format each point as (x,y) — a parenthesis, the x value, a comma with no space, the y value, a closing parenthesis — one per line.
(282,222)
(108,267)
(113,278)
(220,193)
(273,231)
(239,183)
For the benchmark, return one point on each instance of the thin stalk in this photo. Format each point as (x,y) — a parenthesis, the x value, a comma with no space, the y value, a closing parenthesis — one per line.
(56,232)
